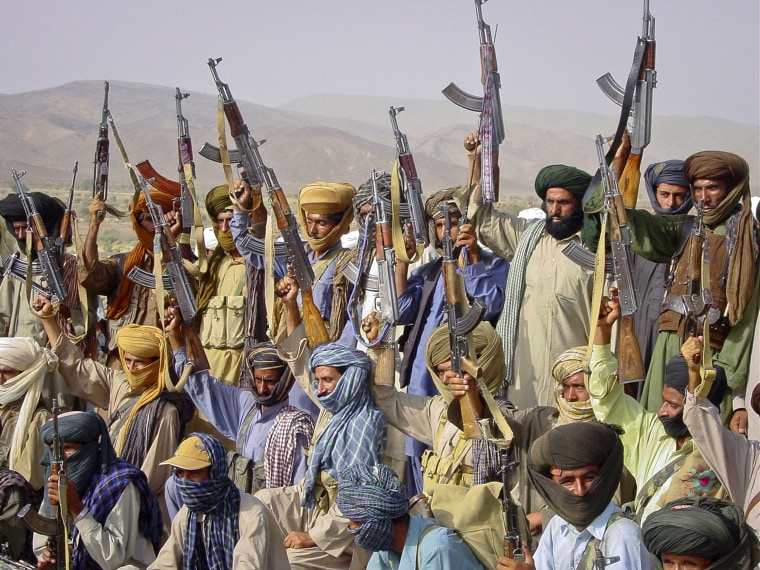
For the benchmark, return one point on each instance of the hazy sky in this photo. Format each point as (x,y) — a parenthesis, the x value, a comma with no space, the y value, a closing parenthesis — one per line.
(550,51)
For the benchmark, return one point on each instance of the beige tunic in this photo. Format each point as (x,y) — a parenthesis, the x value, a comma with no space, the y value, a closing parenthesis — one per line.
(260,544)
(555,308)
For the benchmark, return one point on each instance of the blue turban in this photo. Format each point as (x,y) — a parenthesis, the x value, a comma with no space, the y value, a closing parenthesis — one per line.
(356,433)
(374,497)
(667,172)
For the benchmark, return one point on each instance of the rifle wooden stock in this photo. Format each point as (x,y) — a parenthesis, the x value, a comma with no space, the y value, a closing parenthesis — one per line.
(630,362)
(195,350)
(630,179)
(471,405)
(316,331)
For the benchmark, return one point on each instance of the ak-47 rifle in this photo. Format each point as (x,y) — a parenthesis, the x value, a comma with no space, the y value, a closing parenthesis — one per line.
(46,251)
(64,235)
(462,320)
(54,528)
(250,157)
(410,182)
(186,171)
(512,537)
(100,164)
(387,299)
(636,103)
(489,106)
(698,300)
(630,364)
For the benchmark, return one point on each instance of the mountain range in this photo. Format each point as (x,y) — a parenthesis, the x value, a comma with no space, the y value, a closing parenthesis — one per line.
(321,137)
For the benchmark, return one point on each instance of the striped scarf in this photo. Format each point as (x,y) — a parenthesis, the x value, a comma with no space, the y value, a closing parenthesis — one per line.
(103,492)
(217,498)
(357,431)
(281,445)
(507,325)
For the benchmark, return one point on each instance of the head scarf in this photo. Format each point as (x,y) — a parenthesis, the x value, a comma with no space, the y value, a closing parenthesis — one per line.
(217,201)
(135,258)
(364,196)
(574,446)
(568,363)
(433,213)
(488,350)
(144,342)
(734,171)
(356,432)
(263,356)
(219,500)
(96,453)
(666,172)
(33,362)
(697,526)
(373,496)
(570,178)
(326,198)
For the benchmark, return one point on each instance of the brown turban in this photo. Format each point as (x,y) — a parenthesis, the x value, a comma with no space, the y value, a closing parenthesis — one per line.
(734,171)
(326,198)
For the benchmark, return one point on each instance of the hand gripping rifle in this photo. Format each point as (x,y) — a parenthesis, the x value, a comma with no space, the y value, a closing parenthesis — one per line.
(630,364)
(462,320)
(489,106)
(186,171)
(100,164)
(512,537)
(54,528)
(46,251)
(250,157)
(411,185)
(636,103)
(387,299)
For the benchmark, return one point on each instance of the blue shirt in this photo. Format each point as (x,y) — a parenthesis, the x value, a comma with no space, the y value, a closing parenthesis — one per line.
(562,544)
(441,549)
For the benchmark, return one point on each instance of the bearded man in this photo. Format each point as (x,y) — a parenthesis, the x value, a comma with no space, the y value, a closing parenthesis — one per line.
(128,302)
(548,296)
(325,211)
(222,293)
(659,450)
(218,527)
(117,520)
(146,420)
(23,366)
(720,180)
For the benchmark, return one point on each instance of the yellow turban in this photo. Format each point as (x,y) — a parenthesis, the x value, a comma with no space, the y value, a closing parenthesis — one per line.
(326,198)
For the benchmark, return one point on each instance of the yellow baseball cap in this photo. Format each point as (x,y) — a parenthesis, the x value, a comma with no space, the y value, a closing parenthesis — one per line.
(191,455)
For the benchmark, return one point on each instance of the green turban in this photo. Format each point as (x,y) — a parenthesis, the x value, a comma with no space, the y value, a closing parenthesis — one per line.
(570,178)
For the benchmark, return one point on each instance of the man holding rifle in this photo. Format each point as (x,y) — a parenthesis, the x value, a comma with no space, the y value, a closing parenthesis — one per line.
(325,211)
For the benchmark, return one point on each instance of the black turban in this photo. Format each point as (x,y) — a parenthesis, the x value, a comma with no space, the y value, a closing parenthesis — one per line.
(263,356)
(574,446)
(570,178)
(695,526)
(677,377)
(50,209)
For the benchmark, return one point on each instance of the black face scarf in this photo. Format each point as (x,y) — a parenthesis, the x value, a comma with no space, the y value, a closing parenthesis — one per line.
(574,446)
(675,427)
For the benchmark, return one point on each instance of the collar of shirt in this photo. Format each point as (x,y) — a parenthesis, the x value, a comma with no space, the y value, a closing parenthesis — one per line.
(595,529)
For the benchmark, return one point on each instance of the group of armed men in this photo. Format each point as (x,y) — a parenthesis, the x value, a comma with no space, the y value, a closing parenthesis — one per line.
(293,454)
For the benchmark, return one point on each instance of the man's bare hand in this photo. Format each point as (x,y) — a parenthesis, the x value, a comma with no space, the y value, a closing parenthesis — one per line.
(46,561)
(371,326)
(73,503)
(241,195)
(299,540)
(97,210)
(509,564)
(468,239)
(43,307)
(692,352)
(739,421)
(609,311)
(472,143)
(287,288)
